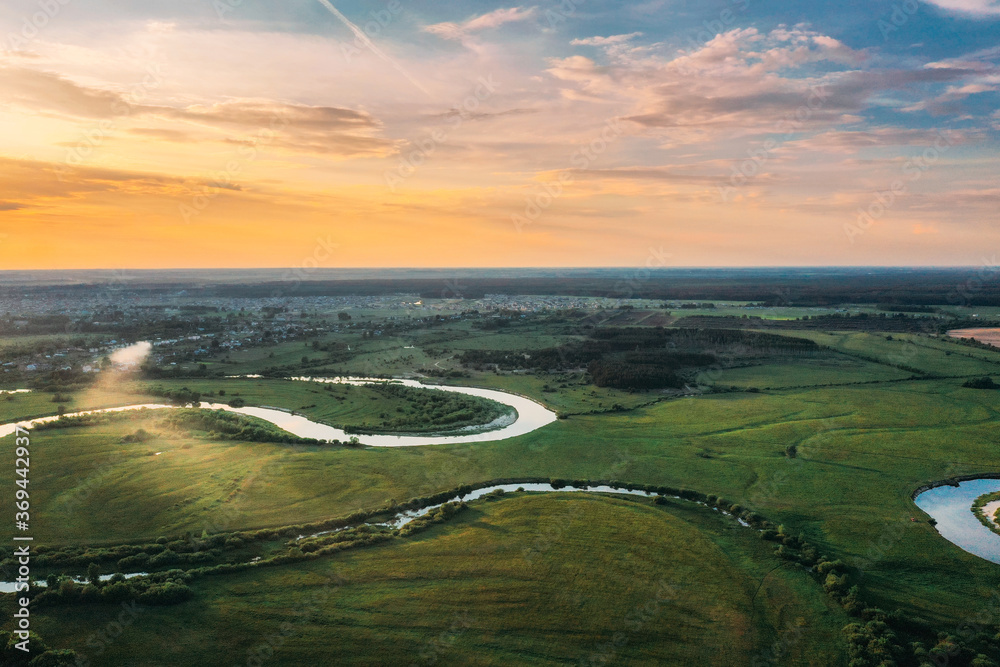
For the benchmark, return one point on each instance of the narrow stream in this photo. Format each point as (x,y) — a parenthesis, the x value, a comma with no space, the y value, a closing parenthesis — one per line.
(406,517)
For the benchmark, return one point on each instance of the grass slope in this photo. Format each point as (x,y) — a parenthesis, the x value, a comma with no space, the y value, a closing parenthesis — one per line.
(538,579)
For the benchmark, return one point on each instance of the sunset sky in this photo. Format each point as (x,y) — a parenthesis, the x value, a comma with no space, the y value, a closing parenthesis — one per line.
(229,133)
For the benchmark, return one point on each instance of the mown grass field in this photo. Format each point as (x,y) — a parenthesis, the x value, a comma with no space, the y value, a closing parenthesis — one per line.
(534,579)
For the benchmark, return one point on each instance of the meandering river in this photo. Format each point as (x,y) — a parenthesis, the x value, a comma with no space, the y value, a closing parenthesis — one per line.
(529,417)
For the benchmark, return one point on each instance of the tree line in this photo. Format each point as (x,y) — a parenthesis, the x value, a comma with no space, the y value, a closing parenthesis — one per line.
(642,357)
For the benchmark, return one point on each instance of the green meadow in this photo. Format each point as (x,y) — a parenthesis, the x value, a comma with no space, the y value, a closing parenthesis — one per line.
(532,579)
(867,429)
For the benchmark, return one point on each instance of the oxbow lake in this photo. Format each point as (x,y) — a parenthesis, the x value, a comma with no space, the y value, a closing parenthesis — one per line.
(951,507)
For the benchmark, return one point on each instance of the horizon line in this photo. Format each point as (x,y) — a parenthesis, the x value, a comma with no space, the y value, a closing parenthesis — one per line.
(308,270)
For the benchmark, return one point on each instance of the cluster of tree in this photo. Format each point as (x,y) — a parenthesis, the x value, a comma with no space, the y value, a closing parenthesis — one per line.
(343,536)
(131,557)
(972,342)
(628,374)
(222,425)
(873,643)
(643,357)
(140,435)
(979,505)
(163,589)
(879,638)
(324,545)
(493,324)
(45,346)
(37,655)
(239,539)
(155,372)
(61,379)
(92,419)
(906,308)
(889,322)
(33,324)
(442,373)
(796,287)
(182,396)
(437,515)
(981,383)
(428,410)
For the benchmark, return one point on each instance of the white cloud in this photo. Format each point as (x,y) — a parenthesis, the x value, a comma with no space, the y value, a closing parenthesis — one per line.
(492,19)
(740,81)
(605,41)
(974,7)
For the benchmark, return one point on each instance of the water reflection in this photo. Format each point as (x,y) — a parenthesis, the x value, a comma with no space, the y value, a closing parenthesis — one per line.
(951,507)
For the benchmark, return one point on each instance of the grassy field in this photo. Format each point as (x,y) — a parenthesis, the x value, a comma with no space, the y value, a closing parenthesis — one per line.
(40,403)
(507,582)
(925,354)
(861,451)
(823,370)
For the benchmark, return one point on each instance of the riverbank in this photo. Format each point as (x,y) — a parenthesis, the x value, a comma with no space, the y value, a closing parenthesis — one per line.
(526,416)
